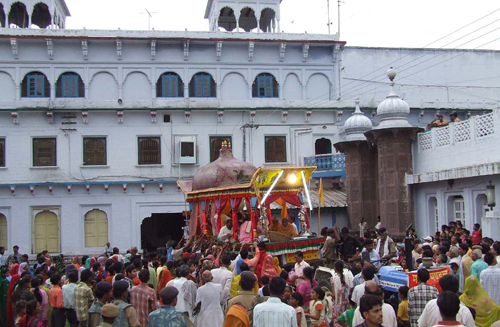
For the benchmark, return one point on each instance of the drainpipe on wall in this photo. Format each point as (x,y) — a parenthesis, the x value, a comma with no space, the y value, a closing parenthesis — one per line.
(293,147)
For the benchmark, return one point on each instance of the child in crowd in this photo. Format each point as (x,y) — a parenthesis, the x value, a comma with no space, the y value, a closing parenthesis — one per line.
(316,309)
(20,313)
(345,319)
(403,317)
(297,301)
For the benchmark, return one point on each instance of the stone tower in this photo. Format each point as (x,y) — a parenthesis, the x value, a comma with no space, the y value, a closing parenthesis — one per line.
(376,170)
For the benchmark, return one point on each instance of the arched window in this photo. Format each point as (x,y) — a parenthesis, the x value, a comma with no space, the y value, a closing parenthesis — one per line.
(202,85)
(46,232)
(18,15)
(96,229)
(2,16)
(35,85)
(41,15)
(227,20)
(70,85)
(267,20)
(265,86)
(169,85)
(3,230)
(248,21)
(322,146)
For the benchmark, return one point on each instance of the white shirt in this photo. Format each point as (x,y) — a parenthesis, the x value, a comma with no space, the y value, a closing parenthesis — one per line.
(274,313)
(431,315)
(388,320)
(183,298)
(223,234)
(374,256)
(223,277)
(68,291)
(3,260)
(295,227)
(211,311)
(490,279)
(358,292)
(299,271)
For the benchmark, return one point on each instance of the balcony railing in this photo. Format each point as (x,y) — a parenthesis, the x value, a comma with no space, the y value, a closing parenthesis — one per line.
(474,129)
(326,162)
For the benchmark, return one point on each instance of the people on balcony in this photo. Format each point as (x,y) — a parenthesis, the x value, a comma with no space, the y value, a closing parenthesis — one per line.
(438,122)
(454,118)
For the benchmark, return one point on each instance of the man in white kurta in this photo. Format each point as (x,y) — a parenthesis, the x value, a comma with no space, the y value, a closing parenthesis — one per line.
(210,296)
(186,299)
(224,277)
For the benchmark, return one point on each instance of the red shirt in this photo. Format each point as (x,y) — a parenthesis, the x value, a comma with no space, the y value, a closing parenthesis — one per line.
(476,237)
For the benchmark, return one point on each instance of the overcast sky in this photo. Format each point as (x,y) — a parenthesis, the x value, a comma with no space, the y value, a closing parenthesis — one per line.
(382,23)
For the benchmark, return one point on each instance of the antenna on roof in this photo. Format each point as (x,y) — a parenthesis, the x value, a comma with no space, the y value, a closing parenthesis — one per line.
(150,15)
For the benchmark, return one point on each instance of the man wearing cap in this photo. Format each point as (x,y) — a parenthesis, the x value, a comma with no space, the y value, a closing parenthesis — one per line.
(109,312)
(328,252)
(127,317)
(386,248)
(103,293)
(167,315)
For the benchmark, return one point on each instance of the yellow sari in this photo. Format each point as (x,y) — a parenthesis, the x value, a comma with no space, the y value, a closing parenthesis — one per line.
(487,311)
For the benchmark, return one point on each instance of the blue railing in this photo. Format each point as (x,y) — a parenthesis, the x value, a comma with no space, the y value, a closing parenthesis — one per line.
(326,162)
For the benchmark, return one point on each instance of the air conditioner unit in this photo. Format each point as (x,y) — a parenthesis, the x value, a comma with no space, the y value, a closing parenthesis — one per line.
(187,150)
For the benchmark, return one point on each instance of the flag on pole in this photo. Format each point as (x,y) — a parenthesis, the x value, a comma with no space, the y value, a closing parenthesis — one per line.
(320,193)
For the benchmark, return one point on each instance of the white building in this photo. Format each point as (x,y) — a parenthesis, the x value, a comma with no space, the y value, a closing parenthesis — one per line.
(96,127)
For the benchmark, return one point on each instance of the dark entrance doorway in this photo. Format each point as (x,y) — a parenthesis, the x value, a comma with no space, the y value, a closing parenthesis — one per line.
(159,228)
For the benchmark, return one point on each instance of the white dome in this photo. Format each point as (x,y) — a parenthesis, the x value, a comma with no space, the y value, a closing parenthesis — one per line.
(393,111)
(357,125)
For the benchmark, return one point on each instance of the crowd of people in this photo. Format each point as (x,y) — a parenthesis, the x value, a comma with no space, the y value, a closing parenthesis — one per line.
(210,282)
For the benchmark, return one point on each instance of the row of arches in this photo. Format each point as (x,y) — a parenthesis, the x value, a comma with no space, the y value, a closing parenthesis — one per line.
(137,86)
(247,20)
(17,16)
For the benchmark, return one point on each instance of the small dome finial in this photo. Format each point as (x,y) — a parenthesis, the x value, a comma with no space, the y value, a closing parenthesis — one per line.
(391,73)
(356,101)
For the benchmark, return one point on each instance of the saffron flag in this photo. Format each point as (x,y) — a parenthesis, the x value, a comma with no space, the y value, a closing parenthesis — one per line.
(320,193)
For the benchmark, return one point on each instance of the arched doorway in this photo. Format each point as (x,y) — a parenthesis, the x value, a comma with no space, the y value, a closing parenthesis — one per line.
(227,20)
(3,231)
(46,232)
(481,208)
(248,21)
(18,15)
(159,228)
(41,15)
(2,16)
(322,146)
(96,228)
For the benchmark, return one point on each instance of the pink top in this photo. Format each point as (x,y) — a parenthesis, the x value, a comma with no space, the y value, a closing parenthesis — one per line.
(244,236)
(305,288)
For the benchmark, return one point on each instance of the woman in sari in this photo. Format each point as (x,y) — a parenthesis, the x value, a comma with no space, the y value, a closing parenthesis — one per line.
(76,262)
(42,299)
(276,263)
(306,286)
(475,297)
(33,318)
(268,267)
(4,288)
(340,290)
(10,304)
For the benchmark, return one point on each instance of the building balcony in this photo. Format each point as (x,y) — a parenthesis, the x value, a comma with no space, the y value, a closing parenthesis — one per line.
(459,150)
(329,165)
